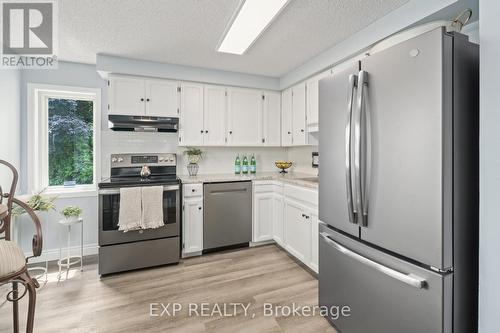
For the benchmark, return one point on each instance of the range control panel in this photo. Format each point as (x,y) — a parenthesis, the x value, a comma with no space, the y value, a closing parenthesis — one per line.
(134,160)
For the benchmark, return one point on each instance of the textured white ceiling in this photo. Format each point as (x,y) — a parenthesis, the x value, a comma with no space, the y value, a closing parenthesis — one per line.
(187,32)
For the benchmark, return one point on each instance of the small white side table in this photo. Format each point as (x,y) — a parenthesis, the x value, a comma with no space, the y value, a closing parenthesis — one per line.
(70,260)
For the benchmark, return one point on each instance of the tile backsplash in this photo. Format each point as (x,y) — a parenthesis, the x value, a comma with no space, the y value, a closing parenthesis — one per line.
(215,159)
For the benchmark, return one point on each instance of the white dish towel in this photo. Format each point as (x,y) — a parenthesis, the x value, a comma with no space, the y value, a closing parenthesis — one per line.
(130,217)
(152,207)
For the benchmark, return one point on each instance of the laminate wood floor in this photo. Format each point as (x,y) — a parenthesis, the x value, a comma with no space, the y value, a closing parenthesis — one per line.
(122,302)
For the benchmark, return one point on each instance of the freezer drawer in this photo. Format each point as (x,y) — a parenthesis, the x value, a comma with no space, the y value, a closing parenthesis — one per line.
(384,293)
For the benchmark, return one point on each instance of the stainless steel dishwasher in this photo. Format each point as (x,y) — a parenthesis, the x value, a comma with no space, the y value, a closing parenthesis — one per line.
(227,219)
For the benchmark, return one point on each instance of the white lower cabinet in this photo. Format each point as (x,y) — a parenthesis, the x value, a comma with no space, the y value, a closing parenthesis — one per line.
(298,230)
(263,206)
(192,219)
(278,231)
(314,242)
(287,214)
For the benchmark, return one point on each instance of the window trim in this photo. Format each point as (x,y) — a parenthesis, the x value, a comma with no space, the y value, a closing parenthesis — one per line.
(37,137)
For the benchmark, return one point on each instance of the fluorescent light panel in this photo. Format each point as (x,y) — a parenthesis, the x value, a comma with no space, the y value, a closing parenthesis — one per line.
(252,19)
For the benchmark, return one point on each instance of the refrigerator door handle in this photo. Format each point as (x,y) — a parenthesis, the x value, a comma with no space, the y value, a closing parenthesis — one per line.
(409,279)
(353,81)
(359,137)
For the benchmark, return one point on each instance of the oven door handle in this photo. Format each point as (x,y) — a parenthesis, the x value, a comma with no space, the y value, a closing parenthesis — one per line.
(117,190)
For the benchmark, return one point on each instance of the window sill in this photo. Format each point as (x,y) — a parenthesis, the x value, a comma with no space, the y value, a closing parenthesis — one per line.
(71,192)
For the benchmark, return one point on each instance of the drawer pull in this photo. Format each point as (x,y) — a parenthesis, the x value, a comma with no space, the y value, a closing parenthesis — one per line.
(409,279)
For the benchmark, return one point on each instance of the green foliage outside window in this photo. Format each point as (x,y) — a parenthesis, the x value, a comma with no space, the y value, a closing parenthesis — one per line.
(70,142)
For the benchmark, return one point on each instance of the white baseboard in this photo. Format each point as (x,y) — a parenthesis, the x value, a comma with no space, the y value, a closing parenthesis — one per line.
(53,254)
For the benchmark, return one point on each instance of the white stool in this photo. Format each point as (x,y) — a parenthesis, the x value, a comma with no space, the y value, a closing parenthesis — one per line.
(70,260)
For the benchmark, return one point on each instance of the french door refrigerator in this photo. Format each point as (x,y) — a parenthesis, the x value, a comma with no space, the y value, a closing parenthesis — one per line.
(398,193)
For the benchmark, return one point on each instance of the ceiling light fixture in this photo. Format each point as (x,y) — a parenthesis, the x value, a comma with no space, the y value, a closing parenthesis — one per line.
(250,20)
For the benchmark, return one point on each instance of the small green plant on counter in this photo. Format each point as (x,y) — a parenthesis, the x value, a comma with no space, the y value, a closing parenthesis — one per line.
(37,202)
(71,211)
(192,151)
(193,154)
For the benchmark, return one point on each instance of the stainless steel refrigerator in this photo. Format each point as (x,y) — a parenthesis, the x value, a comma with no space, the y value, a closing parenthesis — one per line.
(399,193)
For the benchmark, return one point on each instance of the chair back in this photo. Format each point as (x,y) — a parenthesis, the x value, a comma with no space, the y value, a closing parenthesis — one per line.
(6,198)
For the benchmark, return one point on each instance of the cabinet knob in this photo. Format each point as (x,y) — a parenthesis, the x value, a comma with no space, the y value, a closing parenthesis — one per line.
(201,131)
(206,131)
(142,99)
(302,130)
(147,99)
(199,208)
(193,190)
(230,132)
(289,132)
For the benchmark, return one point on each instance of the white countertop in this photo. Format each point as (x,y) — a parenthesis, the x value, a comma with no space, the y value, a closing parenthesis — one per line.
(294,178)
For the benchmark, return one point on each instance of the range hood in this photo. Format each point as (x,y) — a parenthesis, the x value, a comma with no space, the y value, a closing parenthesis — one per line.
(143,123)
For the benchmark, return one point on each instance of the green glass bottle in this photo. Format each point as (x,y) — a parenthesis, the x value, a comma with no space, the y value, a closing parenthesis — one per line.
(244,165)
(253,164)
(237,165)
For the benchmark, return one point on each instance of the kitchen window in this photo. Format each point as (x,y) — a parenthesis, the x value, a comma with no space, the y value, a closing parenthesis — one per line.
(63,139)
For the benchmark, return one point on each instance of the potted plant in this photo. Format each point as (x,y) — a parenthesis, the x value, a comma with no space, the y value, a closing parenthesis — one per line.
(71,213)
(193,155)
(38,202)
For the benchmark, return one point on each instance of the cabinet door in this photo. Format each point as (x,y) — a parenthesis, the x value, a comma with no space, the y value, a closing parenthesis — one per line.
(126,96)
(162,98)
(297,230)
(314,240)
(299,114)
(215,116)
(271,123)
(312,109)
(263,216)
(193,225)
(278,219)
(286,118)
(191,122)
(245,112)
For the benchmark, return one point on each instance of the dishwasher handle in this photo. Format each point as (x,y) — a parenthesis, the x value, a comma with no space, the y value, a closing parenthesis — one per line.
(229,190)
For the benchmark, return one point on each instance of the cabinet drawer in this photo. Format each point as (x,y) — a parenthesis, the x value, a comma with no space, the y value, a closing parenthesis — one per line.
(192,190)
(306,195)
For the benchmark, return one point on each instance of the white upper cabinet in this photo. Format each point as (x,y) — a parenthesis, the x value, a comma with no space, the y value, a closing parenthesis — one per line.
(143,97)
(271,124)
(313,101)
(214,117)
(286,118)
(127,96)
(162,98)
(191,130)
(209,115)
(244,115)
(299,114)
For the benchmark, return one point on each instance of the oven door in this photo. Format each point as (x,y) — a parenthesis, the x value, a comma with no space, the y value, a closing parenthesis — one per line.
(109,208)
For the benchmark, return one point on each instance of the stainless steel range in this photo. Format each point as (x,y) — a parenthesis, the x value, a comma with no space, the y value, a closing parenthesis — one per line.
(119,251)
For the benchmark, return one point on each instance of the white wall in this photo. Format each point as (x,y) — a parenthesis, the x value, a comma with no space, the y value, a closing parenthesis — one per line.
(68,74)
(10,137)
(489,249)
(109,64)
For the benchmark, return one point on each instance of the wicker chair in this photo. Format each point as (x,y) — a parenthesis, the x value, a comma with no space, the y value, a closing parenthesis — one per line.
(13,264)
